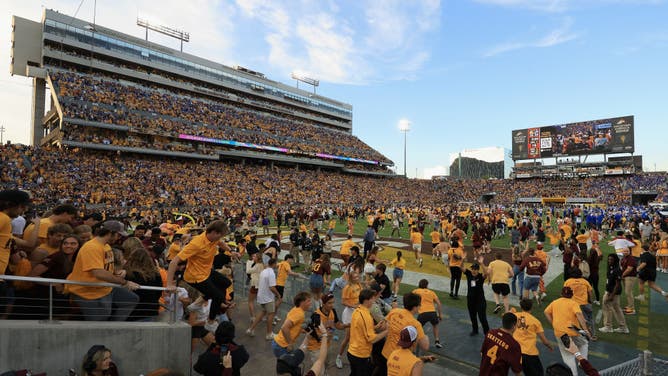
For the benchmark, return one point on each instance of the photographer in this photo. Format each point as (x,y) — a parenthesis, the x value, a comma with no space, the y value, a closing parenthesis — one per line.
(327,316)
(212,361)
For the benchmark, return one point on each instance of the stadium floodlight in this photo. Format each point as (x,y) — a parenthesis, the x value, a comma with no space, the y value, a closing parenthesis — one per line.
(404,126)
(298,76)
(183,36)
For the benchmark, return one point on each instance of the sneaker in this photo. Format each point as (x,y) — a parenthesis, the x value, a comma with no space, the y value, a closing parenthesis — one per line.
(621,330)
(543,295)
(250,332)
(663,293)
(438,345)
(211,326)
(629,311)
(339,362)
(498,308)
(269,337)
(605,329)
(640,298)
(420,262)
(473,334)
(597,302)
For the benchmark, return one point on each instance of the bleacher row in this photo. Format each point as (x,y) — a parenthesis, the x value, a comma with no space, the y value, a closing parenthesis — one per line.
(149,109)
(110,179)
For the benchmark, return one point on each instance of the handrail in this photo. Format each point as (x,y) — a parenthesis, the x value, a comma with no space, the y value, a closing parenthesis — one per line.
(70,282)
(52,281)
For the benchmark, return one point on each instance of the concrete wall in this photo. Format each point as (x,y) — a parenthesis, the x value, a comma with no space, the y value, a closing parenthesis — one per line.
(137,348)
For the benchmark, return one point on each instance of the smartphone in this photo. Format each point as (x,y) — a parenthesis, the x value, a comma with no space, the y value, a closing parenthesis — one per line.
(566,340)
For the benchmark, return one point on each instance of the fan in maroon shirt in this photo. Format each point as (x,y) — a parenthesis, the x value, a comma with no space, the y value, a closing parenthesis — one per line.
(500,352)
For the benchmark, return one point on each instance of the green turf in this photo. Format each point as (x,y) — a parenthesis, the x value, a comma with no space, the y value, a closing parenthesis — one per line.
(657,331)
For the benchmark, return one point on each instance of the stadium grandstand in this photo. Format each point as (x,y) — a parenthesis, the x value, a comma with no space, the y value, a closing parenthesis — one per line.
(111,91)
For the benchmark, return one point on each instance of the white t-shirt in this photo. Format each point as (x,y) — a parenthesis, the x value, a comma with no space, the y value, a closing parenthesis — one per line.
(180,294)
(18,225)
(621,243)
(267,280)
(201,312)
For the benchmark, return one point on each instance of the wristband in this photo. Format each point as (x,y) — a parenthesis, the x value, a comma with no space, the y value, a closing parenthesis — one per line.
(577,353)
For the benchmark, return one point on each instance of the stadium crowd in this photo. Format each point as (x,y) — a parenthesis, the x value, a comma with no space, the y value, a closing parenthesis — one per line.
(104,99)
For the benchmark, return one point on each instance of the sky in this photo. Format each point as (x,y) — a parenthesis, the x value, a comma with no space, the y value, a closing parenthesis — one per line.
(464,73)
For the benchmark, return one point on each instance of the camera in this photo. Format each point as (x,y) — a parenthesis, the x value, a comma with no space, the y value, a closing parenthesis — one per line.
(313,325)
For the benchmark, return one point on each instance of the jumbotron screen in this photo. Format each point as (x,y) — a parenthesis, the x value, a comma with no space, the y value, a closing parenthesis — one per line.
(604,136)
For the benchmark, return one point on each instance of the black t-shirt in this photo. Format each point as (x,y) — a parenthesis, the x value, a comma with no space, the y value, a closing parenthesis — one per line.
(220,260)
(149,300)
(384,280)
(614,275)
(474,284)
(650,262)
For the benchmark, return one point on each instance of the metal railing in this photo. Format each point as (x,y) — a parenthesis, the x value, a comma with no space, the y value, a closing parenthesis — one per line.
(644,365)
(50,282)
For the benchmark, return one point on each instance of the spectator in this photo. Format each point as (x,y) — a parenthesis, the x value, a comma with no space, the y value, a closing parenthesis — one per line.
(95,263)
(141,269)
(564,315)
(266,298)
(200,253)
(97,362)
(430,309)
(292,325)
(363,334)
(500,352)
(209,364)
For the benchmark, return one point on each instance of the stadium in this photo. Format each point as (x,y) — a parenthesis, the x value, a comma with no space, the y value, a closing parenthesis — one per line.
(155,138)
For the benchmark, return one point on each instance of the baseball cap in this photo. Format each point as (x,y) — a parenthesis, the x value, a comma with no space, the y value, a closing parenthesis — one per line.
(407,336)
(115,226)
(15,197)
(289,363)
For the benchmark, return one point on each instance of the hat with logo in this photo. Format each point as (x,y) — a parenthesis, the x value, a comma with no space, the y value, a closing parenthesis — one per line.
(407,336)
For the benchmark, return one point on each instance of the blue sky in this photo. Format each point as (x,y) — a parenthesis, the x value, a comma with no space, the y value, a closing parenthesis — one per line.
(465,72)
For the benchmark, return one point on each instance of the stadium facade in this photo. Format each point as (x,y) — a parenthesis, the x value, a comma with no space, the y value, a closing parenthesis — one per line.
(61,49)
(489,162)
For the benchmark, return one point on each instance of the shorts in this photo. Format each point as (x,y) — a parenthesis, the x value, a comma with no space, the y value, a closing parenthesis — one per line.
(316,281)
(501,288)
(531,365)
(426,317)
(347,315)
(531,283)
(398,273)
(416,247)
(268,307)
(280,289)
(198,332)
(647,275)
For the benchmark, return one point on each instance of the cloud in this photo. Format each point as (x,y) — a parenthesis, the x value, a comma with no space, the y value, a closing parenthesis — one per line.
(372,41)
(555,37)
(557,6)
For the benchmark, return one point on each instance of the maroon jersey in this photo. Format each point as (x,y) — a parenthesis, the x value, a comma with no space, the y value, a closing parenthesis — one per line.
(500,352)
(534,265)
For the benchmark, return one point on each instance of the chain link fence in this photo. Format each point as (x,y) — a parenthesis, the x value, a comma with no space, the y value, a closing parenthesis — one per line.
(644,365)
